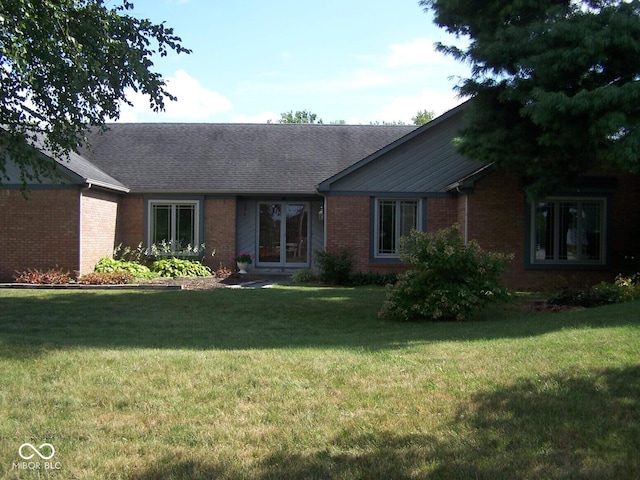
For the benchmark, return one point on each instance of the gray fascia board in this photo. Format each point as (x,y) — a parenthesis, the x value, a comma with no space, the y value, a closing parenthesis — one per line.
(97,183)
(227,193)
(468,180)
(76,178)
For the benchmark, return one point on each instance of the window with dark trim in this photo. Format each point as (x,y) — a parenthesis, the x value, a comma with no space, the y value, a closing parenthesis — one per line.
(568,230)
(394,218)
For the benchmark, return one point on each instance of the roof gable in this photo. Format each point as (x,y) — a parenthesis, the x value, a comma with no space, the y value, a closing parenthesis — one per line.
(423,161)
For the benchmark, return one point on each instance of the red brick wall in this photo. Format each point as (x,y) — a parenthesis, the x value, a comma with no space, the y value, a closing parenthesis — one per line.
(349,225)
(98,227)
(130,225)
(219,230)
(497,221)
(441,213)
(219,226)
(39,232)
(494,214)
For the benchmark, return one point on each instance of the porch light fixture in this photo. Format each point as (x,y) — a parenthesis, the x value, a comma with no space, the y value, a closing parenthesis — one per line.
(321,213)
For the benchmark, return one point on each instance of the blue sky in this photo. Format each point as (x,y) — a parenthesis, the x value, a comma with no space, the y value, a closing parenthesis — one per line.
(355,60)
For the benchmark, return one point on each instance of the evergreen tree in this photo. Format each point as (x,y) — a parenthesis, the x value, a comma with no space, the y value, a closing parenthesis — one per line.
(555,85)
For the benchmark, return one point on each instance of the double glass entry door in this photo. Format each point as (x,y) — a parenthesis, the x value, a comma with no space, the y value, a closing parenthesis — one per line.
(283,234)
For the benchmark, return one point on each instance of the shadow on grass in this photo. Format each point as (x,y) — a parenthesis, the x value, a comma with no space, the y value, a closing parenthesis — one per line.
(33,321)
(558,427)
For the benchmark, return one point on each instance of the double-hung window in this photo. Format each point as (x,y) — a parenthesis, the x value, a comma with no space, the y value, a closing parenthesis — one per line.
(394,218)
(568,231)
(174,227)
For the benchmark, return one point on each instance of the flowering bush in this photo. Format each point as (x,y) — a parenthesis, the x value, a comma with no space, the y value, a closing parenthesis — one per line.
(174,249)
(129,254)
(244,257)
(448,280)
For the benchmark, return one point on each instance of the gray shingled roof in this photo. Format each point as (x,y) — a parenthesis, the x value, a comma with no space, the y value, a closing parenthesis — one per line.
(79,170)
(89,173)
(233,158)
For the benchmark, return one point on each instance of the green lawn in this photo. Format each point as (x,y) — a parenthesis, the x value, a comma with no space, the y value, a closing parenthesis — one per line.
(296,383)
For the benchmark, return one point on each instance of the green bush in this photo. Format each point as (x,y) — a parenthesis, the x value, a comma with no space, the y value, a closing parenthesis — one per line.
(623,289)
(304,275)
(109,265)
(178,267)
(335,265)
(448,279)
(358,279)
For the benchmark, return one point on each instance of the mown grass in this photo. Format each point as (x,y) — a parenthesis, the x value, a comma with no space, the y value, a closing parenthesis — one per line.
(308,383)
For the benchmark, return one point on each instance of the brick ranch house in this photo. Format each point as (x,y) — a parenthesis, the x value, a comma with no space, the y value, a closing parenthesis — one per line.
(282,191)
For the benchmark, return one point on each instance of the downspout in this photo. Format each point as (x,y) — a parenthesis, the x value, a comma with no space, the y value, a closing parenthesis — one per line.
(466,215)
(466,218)
(324,222)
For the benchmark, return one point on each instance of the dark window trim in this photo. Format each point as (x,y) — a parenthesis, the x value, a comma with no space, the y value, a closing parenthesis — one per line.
(566,265)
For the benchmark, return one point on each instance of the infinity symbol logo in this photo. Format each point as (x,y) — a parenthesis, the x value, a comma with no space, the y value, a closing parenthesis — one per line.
(36,451)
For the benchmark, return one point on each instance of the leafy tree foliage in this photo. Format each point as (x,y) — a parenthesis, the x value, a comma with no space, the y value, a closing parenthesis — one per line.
(555,84)
(387,123)
(300,116)
(422,117)
(65,66)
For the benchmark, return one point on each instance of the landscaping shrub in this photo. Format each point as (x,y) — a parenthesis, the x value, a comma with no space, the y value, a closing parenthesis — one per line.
(624,288)
(304,275)
(177,267)
(335,265)
(107,278)
(448,279)
(372,278)
(53,276)
(138,270)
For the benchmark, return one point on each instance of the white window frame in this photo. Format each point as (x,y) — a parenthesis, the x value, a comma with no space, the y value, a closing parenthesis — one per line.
(173,204)
(580,233)
(398,218)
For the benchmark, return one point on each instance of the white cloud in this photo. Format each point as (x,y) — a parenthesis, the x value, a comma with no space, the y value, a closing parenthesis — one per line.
(419,51)
(194,102)
(405,107)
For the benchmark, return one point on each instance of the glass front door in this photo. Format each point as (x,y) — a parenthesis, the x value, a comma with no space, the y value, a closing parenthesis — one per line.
(283,232)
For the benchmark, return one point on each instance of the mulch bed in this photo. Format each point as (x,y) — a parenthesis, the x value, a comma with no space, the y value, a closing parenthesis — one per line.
(185,283)
(208,283)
